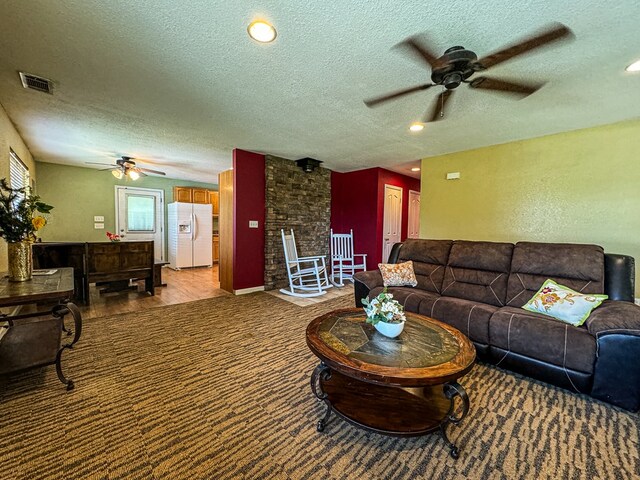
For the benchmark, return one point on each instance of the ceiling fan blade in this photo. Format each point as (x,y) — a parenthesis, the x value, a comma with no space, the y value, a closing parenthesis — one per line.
(439,104)
(157,172)
(96,163)
(105,169)
(372,102)
(552,33)
(417,47)
(506,86)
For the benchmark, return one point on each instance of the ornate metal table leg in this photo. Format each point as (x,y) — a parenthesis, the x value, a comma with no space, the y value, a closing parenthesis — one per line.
(455,415)
(59,311)
(320,374)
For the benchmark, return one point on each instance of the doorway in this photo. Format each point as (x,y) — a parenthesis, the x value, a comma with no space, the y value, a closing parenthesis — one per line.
(392,219)
(140,216)
(414,215)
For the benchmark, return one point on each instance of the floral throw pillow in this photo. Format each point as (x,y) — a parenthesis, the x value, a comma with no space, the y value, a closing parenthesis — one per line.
(564,304)
(398,274)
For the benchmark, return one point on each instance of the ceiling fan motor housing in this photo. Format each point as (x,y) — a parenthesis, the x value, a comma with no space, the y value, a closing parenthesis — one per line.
(458,65)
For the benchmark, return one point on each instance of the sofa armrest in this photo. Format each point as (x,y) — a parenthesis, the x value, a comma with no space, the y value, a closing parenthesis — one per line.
(616,377)
(364,282)
(619,277)
(614,317)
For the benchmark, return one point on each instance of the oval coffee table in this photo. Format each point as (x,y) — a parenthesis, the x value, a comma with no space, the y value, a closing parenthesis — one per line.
(403,386)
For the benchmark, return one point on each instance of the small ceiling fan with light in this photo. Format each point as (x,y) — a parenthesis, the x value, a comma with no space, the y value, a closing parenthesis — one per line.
(125,167)
(458,65)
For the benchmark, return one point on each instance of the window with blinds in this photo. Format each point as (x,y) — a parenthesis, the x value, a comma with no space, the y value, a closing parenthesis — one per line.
(18,172)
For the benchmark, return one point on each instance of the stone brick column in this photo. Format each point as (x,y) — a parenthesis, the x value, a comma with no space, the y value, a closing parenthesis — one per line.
(299,201)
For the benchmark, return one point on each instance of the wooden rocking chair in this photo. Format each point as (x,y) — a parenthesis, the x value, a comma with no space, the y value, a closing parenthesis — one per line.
(343,260)
(307,275)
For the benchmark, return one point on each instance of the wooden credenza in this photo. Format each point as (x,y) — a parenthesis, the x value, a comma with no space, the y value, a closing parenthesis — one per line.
(95,262)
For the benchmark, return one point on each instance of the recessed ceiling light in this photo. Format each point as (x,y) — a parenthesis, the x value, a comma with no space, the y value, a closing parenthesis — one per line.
(262,31)
(416,127)
(634,67)
(415,169)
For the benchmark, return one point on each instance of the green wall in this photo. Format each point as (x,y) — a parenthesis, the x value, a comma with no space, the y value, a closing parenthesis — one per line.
(78,194)
(581,186)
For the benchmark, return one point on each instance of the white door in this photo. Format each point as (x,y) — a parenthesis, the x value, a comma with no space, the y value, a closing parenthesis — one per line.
(202,235)
(140,216)
(392,219)
(414,214)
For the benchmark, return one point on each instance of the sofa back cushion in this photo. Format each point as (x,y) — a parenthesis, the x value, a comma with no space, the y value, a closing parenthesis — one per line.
(579,267)
(429,259)
(478,271)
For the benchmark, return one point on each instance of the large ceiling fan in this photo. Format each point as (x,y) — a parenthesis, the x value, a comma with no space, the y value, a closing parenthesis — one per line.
(125,167)
(457,65)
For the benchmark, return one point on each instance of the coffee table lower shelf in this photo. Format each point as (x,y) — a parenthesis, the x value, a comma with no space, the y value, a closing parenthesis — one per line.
(402,412)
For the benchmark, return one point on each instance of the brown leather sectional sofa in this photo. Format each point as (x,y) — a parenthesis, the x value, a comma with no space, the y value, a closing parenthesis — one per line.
(479,287)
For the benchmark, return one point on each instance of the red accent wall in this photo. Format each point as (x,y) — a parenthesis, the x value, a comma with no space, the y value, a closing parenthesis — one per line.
(248,204)
(357,202)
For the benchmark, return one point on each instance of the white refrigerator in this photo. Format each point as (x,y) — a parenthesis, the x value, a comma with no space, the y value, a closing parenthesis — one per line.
(190,235)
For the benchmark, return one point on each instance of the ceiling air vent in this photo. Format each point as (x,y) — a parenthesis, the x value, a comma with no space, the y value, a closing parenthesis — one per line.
(35,82)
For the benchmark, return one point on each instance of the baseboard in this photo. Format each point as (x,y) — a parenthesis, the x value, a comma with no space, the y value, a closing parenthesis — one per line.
(637,301)
(243,291)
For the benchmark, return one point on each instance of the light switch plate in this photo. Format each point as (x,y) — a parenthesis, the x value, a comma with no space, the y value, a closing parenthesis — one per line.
(98,226)
(98,218)
(253,224)
(453,176)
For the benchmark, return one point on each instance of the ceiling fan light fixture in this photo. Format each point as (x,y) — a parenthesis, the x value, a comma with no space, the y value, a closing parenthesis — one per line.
(262,31)
(416,127)
(634,67)
(117,174)
(133,175)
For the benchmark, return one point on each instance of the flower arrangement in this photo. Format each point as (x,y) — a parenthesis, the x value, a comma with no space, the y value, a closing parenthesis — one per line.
(21,213)
(383,308)
(114,237)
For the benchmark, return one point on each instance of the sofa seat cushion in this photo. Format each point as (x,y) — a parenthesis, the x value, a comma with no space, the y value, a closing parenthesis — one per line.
(409,298)
(471,318)
(544,338)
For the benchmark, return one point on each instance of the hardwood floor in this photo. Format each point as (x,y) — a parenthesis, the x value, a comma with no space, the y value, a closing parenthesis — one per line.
(182,286)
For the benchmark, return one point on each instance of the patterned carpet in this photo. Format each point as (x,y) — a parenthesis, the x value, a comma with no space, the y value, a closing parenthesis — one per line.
(219,389)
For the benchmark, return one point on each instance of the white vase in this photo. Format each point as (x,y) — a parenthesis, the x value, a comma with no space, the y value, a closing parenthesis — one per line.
(391,330)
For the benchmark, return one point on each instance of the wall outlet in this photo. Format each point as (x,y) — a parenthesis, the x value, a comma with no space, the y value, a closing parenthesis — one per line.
(453,175)
(253,224)
(98,226)
(98,218)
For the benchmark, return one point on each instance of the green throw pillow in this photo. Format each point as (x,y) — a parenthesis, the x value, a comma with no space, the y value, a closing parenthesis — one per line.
(564,304)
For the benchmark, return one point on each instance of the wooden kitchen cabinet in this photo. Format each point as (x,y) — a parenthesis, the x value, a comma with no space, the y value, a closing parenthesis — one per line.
(214,200)
(200,195)
(183,194)
(196,195)
(216,249)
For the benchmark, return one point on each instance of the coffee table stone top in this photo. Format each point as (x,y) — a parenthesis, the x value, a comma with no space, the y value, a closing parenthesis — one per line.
(426,352)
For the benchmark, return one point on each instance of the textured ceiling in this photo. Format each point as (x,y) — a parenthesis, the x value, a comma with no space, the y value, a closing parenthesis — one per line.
(180,83)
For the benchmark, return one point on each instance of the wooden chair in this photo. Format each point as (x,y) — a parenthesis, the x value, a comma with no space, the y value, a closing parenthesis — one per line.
(343,260)
(307,275)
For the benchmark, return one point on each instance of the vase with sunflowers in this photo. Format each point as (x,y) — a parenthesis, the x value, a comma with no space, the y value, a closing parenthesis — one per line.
(22,215)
